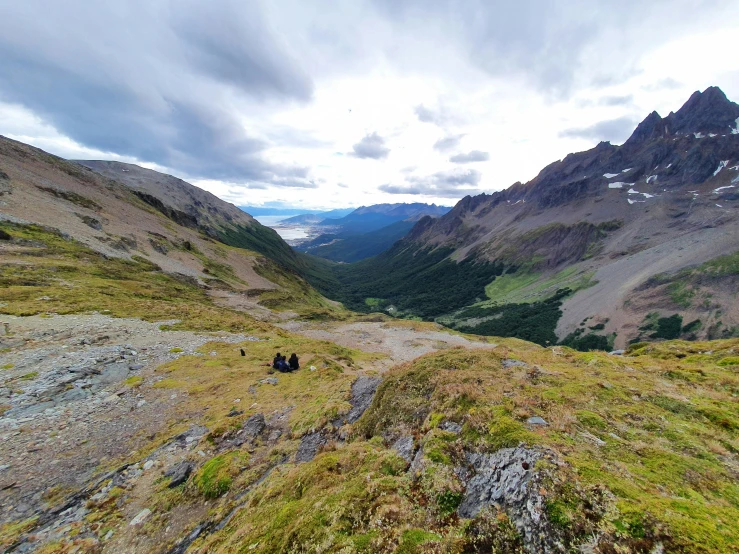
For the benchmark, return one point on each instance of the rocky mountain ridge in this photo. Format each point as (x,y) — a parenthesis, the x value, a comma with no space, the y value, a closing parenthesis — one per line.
(617,219)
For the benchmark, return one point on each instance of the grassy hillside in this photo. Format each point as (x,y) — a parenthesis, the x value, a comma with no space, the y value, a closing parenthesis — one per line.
(637,454)
(48,272)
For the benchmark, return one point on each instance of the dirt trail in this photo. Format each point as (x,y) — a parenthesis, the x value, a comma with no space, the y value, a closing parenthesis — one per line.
(399,342)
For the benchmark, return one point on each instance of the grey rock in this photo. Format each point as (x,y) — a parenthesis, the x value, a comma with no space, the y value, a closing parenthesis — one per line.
(508,363)
(618,352)
(363,391)
(254,426)
(309,446)
(135,367)
(179,473)
(269,381)
(536,420)
(450,427)
(417,462)
(404,447)
(508,479)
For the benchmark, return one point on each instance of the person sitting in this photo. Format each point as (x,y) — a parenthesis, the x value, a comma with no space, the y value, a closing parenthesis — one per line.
(282,365)
(276,361)
(294,363)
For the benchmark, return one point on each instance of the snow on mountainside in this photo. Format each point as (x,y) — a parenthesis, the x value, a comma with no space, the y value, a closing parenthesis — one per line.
(626,228)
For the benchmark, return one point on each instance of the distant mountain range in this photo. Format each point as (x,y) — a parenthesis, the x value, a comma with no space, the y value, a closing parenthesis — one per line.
(260,211)
(609,246)
(366,232)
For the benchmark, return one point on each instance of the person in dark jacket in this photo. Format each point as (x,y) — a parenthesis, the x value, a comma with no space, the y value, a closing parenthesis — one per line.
(294,364)
(276,361)
(282,365)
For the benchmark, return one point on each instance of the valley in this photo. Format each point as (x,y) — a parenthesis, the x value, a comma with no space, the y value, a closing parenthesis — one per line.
(550,368)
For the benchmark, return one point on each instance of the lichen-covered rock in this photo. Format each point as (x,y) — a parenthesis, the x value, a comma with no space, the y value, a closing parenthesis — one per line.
(310,444)
(507,479)
(404,447)
(363,390)
(254,426)
(179,473)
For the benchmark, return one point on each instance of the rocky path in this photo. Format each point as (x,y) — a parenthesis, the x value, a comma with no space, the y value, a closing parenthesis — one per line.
(399,341)
(71,400)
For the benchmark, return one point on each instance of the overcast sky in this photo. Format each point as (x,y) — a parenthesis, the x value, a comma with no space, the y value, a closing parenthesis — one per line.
(321,104)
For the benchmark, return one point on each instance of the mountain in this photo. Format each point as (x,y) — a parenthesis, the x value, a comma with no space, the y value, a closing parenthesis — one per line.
(304,219)
(348,248)
(370,218)
(609,246)
(367,231)
(139,414)
(259,211)
(150,220)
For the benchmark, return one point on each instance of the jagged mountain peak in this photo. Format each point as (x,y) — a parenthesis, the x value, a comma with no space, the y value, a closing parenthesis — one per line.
(709,111)
(652,127)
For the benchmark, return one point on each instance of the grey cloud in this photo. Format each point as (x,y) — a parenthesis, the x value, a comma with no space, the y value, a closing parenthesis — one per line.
(470,157)
(663,84)
(371,146)
(546,43)
(158,88)
(448,184)
(447,143)
(440,116)
(625,100)
(613,130)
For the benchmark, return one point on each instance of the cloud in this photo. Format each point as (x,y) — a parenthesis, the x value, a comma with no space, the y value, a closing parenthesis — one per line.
(371,146)
(470,157)
(160,86)
(663,84)
(447,143)
(447,184)
(613,100)
(440,116)
(613,130)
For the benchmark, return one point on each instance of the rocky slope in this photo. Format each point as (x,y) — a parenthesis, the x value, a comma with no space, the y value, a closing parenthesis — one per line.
(632,230)
(138,416)
(127,212)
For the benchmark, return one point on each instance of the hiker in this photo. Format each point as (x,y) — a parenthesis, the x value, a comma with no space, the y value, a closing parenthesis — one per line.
(283,366)
(294,364)
(276,361)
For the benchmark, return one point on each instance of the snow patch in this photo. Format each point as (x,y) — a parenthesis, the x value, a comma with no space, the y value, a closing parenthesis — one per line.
(711,135)
(724,188)
(636,201)
(735,130)
(719,205)
(632,191)
(698,135)
(619,184)
(627,170)
(651,178)
(610,175)
(721,165)
(668,166)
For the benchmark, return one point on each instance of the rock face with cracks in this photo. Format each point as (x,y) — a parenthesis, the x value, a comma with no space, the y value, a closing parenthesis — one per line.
(507,479)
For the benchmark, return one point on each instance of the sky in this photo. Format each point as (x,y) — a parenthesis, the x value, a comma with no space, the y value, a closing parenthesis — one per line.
(328,104)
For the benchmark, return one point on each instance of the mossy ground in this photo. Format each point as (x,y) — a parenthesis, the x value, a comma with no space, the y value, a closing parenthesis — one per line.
(654,433)
(54,274)
(657,429)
